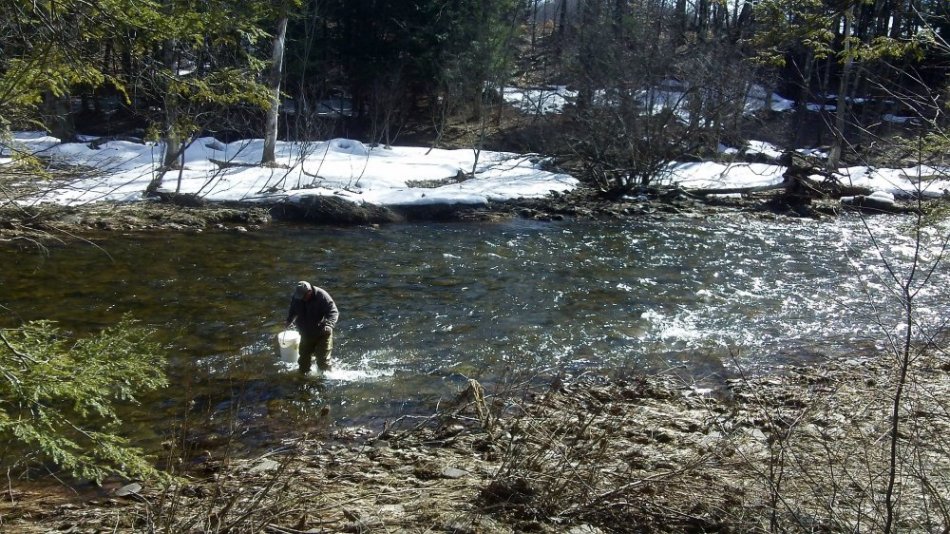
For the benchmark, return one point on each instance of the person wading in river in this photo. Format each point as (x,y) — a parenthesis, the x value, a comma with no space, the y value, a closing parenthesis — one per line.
(316,315)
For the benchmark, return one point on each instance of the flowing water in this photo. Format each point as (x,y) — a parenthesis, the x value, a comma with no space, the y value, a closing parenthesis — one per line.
(425,307)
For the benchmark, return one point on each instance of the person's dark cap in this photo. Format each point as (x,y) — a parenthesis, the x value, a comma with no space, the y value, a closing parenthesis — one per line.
(302,288)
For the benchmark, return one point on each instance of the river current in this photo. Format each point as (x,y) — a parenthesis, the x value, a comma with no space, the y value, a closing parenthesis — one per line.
(425,307)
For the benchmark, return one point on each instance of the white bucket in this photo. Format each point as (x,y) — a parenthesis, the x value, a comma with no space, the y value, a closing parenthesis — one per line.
(289,341)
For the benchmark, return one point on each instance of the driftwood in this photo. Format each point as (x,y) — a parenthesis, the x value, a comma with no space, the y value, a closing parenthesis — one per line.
(231,164)
(96,144)
(798,182)
(189,200)
(736,190)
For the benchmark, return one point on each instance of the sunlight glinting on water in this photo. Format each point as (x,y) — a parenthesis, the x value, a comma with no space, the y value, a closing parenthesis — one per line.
(761,289)
(426,307)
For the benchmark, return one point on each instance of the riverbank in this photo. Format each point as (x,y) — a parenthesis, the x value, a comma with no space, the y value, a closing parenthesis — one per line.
(800,449)
(44,222)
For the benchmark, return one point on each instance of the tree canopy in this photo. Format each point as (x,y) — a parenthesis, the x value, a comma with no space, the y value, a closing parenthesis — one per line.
(377,69)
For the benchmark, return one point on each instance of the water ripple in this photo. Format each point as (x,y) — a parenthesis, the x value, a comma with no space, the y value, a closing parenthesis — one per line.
(424,307)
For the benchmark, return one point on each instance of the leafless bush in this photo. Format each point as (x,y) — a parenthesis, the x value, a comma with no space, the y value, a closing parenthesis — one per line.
(626,456)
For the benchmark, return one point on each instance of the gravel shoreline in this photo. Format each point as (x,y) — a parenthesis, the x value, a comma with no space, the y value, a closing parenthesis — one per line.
(187,214)
(803,449)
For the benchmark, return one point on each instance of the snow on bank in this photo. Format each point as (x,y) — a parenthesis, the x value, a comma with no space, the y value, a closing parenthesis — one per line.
(346,168)
(386,176)
(707,175)
(668,94)
(929,182)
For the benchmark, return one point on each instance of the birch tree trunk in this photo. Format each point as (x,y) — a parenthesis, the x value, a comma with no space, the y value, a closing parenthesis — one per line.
(172,135)
(276,72)
(172,128)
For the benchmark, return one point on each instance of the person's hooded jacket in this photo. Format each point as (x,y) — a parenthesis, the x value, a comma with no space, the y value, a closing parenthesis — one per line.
(313,314)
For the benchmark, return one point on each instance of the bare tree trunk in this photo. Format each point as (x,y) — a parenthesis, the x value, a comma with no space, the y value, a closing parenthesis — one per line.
(702,19)
(58,116)
(172,134)
(534,23)
(276,70)
(561,28)
(741,24)
(172,137)
(834,155)
(680,23)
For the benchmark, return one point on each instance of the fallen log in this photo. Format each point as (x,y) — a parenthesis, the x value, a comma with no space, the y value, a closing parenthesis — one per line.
(231,164)
(737,190)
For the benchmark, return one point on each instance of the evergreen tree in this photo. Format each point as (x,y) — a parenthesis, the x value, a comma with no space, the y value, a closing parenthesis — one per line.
(59,398)
(172,62)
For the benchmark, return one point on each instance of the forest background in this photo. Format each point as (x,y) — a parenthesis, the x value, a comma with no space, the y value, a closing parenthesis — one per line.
(867,76)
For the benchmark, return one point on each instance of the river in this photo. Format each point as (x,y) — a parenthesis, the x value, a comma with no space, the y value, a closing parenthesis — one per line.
(425,307)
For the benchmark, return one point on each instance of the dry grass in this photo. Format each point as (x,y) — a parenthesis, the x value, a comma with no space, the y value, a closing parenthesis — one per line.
(803,451)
